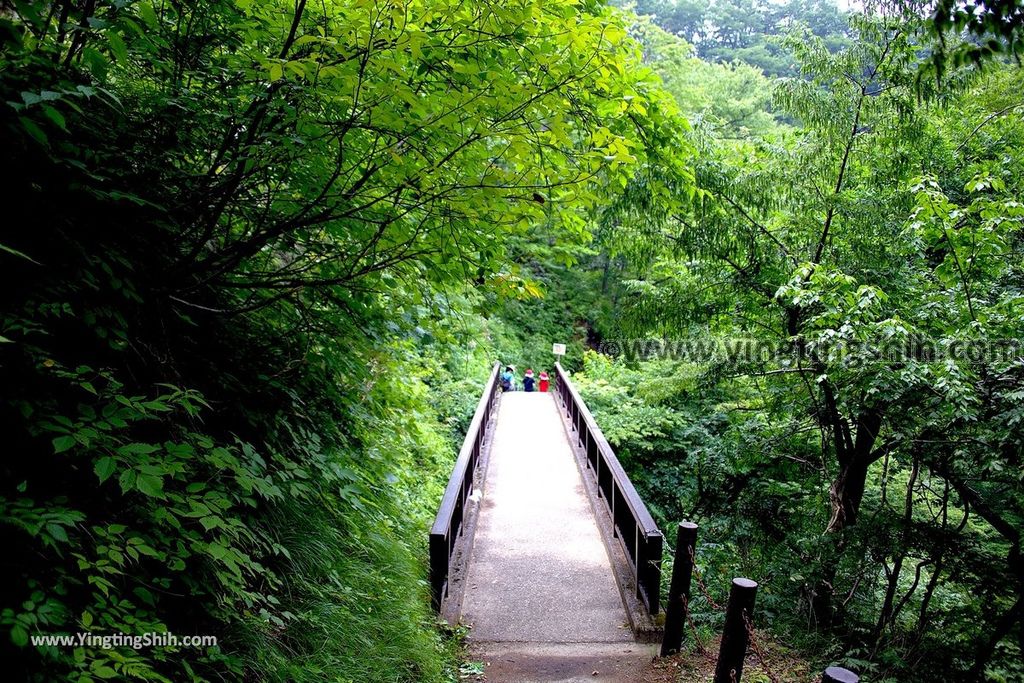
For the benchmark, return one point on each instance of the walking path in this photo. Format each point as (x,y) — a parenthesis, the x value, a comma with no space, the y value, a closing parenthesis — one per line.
(540,594)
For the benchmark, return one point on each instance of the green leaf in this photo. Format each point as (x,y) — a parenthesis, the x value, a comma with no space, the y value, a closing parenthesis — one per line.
(145,595)
(15,252)
(34,130)
(127,480)
(57,531)
(151,485)
(105,467)
(63,443)
(55,116)
(117,46)
(147,550)
(148,15)
(137,448)
(216,550)
(19,636)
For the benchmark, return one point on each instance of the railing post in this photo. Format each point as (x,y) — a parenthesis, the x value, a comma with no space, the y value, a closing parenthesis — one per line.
(652,572)
(611,502)
(645,546)
(679,590)
(438,569)
(639,557)
(837,674)
(735,637)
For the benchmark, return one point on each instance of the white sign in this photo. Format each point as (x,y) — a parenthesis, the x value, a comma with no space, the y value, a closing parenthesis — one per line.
(558,349)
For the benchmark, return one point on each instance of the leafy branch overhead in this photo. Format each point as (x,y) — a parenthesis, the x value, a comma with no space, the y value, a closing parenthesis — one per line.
(381,136)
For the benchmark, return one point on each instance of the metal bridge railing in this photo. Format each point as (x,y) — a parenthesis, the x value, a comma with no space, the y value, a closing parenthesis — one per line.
(632,523)
(448,522)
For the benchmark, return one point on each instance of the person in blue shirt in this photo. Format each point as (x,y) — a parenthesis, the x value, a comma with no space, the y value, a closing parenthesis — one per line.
(528,381)
(508,379)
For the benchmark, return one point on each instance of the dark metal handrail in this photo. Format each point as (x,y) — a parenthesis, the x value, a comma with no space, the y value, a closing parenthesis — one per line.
(448,522)
(632,523)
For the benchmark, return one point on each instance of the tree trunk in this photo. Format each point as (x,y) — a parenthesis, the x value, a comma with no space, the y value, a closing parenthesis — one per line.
(847,491)
(821,598)
(1003,627)
(854,453)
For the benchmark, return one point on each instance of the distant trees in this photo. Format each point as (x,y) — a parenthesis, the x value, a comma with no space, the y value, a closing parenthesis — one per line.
(747,30)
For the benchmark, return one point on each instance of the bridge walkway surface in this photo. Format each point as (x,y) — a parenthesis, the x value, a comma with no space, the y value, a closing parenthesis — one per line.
(540,594)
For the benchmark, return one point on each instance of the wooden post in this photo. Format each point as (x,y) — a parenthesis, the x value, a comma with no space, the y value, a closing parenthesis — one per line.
(837,674)
(679,590)
(735,636)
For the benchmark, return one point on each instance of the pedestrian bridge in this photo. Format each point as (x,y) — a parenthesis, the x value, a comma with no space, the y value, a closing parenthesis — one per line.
(544,548)
(542,545)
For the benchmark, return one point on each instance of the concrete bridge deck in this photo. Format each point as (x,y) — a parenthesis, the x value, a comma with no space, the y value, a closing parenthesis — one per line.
(540,593)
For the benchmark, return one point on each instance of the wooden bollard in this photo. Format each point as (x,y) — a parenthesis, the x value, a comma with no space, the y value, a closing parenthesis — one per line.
(837,674)
(735,636)
(679,589)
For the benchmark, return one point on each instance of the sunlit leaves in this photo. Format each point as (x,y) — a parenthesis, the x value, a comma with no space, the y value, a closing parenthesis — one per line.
(443,130)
